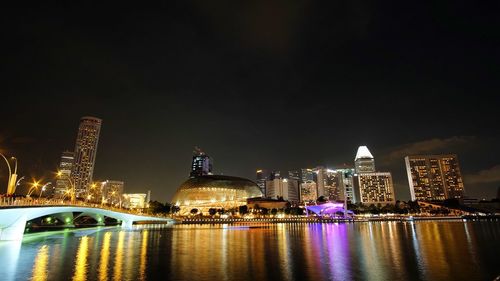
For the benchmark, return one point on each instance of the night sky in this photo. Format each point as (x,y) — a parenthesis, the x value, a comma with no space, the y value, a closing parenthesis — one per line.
(279,86)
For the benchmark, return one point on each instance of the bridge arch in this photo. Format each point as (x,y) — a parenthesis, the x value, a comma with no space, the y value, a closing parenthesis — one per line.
(13,219)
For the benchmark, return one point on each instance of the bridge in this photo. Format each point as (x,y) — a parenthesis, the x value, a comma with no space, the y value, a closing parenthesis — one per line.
(13,219)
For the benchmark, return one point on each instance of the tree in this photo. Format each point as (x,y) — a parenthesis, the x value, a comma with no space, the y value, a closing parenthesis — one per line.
(265,211)
(212,211)
(155,207)
(322,199)
(175,209)
(243,209)
(274,211)
(194,211)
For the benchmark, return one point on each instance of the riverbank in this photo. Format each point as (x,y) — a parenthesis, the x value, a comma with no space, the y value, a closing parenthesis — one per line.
(331,220)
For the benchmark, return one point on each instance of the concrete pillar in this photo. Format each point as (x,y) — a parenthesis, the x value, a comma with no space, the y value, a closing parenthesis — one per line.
(15,231)
(127,223)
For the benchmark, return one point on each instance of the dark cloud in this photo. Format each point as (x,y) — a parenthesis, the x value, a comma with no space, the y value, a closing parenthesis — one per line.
(431,146)
(491,175)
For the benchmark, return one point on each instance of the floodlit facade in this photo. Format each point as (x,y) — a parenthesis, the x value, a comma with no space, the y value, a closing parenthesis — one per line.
(434,177)
(134,200)
(286,188)
(374,188)
(85,154)
(214,191)
(65,166)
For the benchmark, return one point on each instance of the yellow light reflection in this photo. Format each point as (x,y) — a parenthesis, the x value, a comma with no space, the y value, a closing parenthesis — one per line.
(41,262)
(144,251)
(81,260)
(103,264)
(119,257)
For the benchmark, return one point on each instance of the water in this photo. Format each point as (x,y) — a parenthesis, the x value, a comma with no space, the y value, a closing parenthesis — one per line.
(354,251)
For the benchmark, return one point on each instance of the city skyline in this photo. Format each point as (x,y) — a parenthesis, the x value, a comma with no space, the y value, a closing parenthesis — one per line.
(278,88)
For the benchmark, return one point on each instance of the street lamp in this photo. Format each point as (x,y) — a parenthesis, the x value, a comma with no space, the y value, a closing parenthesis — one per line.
(44,187)
(34,186)
(71,190)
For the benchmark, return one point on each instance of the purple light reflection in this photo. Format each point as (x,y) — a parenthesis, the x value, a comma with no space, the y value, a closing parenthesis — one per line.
(338,251)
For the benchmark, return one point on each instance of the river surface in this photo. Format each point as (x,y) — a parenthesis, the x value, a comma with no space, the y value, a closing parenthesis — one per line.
(445,250)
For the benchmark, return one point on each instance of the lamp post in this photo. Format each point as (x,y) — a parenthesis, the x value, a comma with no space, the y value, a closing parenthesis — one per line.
(44,187)
(34,186)
(71,190)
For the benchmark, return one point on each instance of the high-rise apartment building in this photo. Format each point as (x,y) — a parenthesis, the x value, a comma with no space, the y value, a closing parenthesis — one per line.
(65,166)
(434,177)
(364,161)
(85,154)
(201,164)
(374,188)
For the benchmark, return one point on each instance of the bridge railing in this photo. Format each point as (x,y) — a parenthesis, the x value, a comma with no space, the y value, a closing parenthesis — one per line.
(41,202)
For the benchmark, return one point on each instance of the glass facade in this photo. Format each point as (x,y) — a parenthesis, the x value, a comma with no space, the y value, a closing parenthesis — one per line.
(85,154)
(214,191)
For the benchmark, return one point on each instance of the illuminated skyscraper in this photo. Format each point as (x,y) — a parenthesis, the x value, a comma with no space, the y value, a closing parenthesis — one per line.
(261,178)
(345,185)
(308,192)
(364,161)
(434,177)
(65,166)
(201,165)
(374,188)
(85,153)
(320,178)
(370,187)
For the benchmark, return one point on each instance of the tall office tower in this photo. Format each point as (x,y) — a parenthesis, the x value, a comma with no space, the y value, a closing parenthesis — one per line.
(65,166)
(434,177)
(278,187)
(85,153)
(319,178)
(307,175)
(374,188)
(346,184)
(201,165)
(364,161)
(308,192)
(261,178)
(332,185)
(112,192)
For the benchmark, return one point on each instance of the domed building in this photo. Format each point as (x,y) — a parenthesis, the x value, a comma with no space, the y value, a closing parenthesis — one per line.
(214,191)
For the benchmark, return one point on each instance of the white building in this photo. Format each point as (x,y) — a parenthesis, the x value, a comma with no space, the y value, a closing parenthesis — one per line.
(288,189)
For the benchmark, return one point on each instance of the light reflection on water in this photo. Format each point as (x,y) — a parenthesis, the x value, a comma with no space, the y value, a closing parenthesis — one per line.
(360,251)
